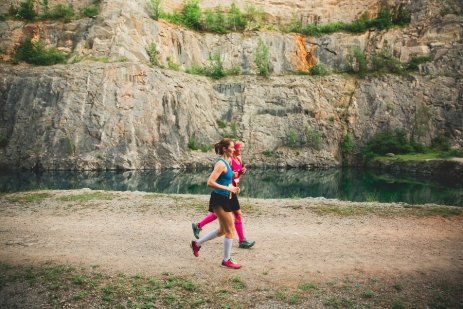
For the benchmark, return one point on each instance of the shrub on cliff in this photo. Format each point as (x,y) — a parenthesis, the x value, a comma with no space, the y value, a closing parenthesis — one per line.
(262,58)
(24,11)
(34,53)
(155,8)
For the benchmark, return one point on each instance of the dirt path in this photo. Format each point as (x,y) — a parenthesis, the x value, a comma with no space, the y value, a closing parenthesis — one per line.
(134,232)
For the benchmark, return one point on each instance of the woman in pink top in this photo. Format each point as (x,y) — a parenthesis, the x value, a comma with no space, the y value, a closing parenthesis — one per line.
(238,170)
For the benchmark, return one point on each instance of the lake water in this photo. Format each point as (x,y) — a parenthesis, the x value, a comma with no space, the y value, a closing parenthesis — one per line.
(342,184)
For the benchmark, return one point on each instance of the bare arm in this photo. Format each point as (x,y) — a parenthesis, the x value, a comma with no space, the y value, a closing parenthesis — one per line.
(219,168)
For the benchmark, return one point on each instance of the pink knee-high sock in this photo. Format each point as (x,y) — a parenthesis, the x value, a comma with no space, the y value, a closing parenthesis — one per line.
(239,227)
(207,219)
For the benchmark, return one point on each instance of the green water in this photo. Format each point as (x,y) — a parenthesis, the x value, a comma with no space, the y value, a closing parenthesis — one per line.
(342,184)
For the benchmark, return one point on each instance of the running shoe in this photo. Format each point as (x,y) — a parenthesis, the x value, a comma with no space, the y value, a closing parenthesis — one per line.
(196,230)
(231,264)
(194,246)
(246,244)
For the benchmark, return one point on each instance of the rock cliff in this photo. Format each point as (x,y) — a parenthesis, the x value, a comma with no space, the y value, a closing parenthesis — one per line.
(108,108)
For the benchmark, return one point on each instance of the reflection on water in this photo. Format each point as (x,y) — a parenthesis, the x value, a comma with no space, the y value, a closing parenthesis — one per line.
(343,184)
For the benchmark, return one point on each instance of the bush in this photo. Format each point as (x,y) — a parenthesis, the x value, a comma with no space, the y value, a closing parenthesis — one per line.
(172,65)
(89,11)
(383,21)
(319,69)
(192,14)
(313,138)
(34,53)
(152,53)
(235,19)
(384,61)
(25,10)
(215,70)
(155,8)
(262,58)
(347,145)
(413,64)
(65,12)
(292,137)
(402,18)
(388,142)
(3,141)
(441,143)
(360,66)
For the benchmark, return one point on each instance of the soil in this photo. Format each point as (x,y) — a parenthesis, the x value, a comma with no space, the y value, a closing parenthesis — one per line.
(296,240)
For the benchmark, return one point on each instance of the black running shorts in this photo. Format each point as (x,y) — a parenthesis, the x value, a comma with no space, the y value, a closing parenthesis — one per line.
(219,200)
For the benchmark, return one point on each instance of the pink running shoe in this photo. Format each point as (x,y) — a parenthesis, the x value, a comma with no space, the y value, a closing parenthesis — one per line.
(231,264)
(195,248)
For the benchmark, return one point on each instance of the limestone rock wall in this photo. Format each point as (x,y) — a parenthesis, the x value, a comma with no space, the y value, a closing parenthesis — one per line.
(109,109)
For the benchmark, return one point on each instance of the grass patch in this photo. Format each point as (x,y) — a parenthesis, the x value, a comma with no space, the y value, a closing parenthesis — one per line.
(33,197)
(84,287)
(238,283)
(431,211)
(399,211)
(411,157)
(344,211)
(87,197)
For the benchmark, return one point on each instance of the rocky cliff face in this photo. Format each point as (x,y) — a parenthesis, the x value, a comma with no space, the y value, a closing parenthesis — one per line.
(127,114)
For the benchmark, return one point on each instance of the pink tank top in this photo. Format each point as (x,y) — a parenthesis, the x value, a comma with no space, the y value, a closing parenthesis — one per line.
(236,166)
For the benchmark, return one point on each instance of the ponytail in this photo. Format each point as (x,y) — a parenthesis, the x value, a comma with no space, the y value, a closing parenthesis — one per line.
(222,145)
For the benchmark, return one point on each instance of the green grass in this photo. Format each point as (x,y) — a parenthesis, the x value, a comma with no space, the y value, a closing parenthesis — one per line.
(31,197)
(412,157)
(396,211)
(238,283)
(87,197)
(83,287)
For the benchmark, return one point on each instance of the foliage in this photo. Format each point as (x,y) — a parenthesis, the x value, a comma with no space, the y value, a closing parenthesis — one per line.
(360,65)
(3,141)
(215,70)
(192,14)
(24,11)
(414,63)
(268,153)
(215,20)
(441,143)
(221,124)
(292,137)
(172,65)
(65,12)
(34,53)
(155,8)
(388,141)
(313,138)
(194,145)
(235,19)
(384,61)
(151,49)
(254,16)
(45,7)
(402,17)
(89,11)
(384,20)
(262,58)
(347,145)
(319,69)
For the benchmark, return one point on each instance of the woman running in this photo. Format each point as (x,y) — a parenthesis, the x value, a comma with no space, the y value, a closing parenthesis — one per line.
(238,170)
(221,181)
